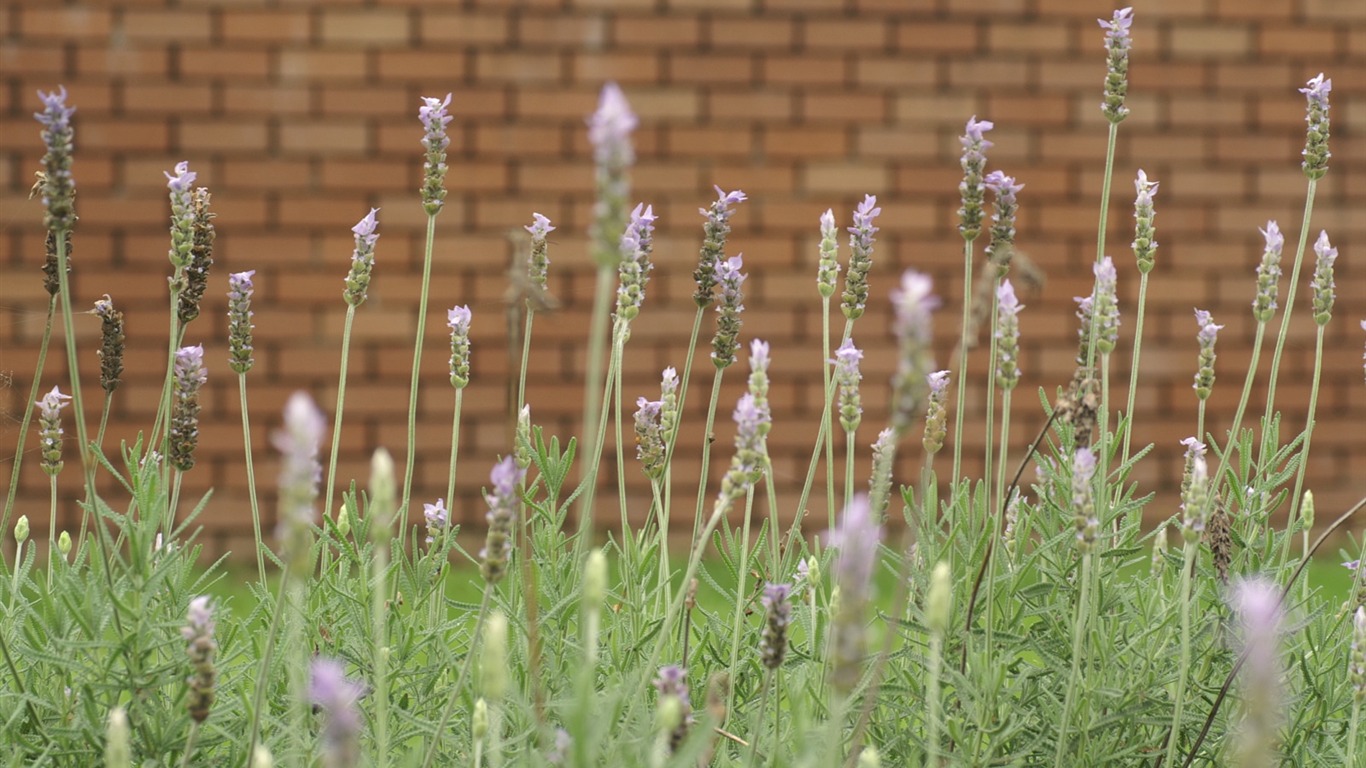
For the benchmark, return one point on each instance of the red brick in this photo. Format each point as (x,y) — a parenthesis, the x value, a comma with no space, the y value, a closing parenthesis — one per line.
(371,28)
(576,33)
(65,24)
(166,26)
(312,66)
(266,99)
(859,35)
(265,26)
(26,59)
(514,141)
(919,36)
(896,72)
(519,67)
(621,67)
(806,71)
(220,62)
(1224,40)
(767,32)
(420,64)
(166,97)
(845,178)
(806,142)
(347,136)
(656,31)
(141,61)
(845,107)
(767,105)
(1334,10)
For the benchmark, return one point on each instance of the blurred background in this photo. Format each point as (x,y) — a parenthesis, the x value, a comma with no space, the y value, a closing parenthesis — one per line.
(301,116)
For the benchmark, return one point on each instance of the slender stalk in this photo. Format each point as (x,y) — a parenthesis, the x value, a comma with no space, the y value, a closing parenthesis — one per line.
(51,526)
(1078,646)
(1200,422)
(1285,315)
(267,656)
(991,391)
(251,479)
(962,361)
(1352,732)
(1242,406)
(1297,496)
(526,357)
(448,710)
(1105,194)
(849,444)
(706,451)
(935,662)
(1103,440)
(1004,449)
(741,599)
(594,458)
(87,468)
(1133,371)
(341,407)
(593,375)
(379,627)
(1179,695)
(455,446)
(28,414)
(189,744)
(620,451)
(758,727)
(104,422)
(827,428)
(417,366)
(1001,503)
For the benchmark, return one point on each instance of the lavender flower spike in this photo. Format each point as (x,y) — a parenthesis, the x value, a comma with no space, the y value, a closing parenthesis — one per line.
(201,648)
(1356,666)
(1002,244)
(437,519)
(1257,603)
(1106,306)
(1324,293)
(338,696)
(1208,334)
(651,446)
(726,340)
(189,375)
(1117,42)
(609,131)
(1144,243)
(458,319)
(1083,499)
(1195,500)
(715,230)
(1316,152)
(857,538)
(50,430)
(777,615)
(505,505)
(971,188)
(182,214)
(855,296)
(111,344)
(59,189)
(434,119)
(539,263)
(634,268)
(847,376)
(914,302)
(298,443)
(1268,273)
(937,412)
(610,127)
(751,458)
(362,260)
(240,288)
(829,268)
(1007,336)
(668,397)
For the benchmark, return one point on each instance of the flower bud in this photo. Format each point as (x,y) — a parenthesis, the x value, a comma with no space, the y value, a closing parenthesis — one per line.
(937,602)
(479,721)
(21,529)
(64,544)
(493,673)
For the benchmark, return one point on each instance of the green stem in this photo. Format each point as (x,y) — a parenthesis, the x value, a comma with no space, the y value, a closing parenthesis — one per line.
(448,710)
(267,656)
(73,367)
(526,357)
(1100,235)
(341,407)
(827,428)
(706,452)
(1078,646)
(189,744)
(1217,477)
(104,422)
(455,446)
(620,452)
(251,480)
(1200,422)
(51,526)
(1285,315)
(1133,368)
(741,599)
(593,372)
(962,360)
(1352,732)
(380,648)
(1179,695)
(417,366)
(935,664)
(1296,496)
(28,414)
(849,444)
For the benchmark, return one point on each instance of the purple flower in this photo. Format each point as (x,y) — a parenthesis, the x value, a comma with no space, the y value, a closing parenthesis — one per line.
(913,304)
(936,412)
(1083,499)
(726,340)
(59,189)
(539,263)
(750,459)
(434,120)
(1106,306)
(182,214)
(1324,287)
(1117,29)
(189,375)
(1007,335)
(1002,218)
(338,696)
(651,448)
(938,382)
(50,430)
(634,268)
(1317,90)
(1257,602)
(437,518)
(847,375)
(610,127)
(505,504)
(777,615)
(362,259)
(458,319)
(970,189)
(715,230)
(240,288)
(758,356)
(1207,335)
(200,647)
(298,443)
(539,227)
(857,538)
(1144,241)
(1117,42)
(1316,152)
(855,297)
(828,270)
(1268,273)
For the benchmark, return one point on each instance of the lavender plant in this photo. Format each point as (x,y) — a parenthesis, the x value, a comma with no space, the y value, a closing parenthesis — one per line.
(829,647)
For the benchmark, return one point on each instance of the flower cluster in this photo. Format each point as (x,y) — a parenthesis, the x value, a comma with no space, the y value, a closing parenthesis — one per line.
(914,302)
(505,504)
(880,483)
(668,397)
(298,443)
(970,189)
(111,344)
(338,696)
(715,230)
(437,519)
(674,704)
(1208,334)
(857,538)
(189,375)
(539,264)
(459,318)
(1268,273)
(751,423)
(240,288)
(1316,152)
(634,269)
(434,119)
(727,338)
(1083,499)
(1106,307)
(609,131)
(1002,244)
(936,412)
(777,615)
(1257,603)
(201,257)
(1117,42)
(362,259)
(52,279)
(59,189)
(50,430)
(1357,665)
(651,446)
(1195,493)
(1007,336)
(855,296)
(829,268)
(200,647)
(182,214)
(1324,287)
(847,376)
(1144,241)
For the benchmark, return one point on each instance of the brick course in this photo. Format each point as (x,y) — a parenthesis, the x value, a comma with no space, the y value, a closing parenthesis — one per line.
(301,117)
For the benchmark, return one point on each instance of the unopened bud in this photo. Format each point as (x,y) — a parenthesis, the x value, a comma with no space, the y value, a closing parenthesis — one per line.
(1307,510)
(383,495)
(21,529)
(595,579)
(118,749)
(493,662)
(64,544)
(937,605)
(479,721)
(343,521)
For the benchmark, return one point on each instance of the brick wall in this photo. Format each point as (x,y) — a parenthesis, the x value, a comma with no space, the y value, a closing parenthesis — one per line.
(300,116)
